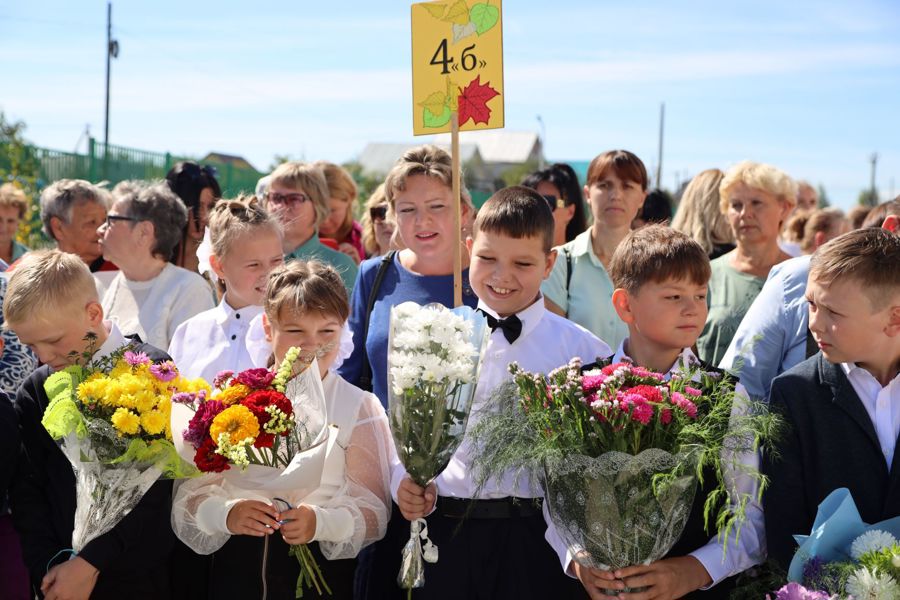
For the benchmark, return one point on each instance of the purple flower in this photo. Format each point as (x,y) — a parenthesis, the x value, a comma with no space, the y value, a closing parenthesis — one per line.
(188,397)
(812,569)
(221,380)
(255,379)
(136,358)
(164,371)
(198,427)
(795,591)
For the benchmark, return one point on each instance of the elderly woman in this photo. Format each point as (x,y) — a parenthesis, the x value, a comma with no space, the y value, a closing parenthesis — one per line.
(699,216)
(377,230)
(297,193)
(578,286)
(199,190)
(340,225)
(756,199)
(150,296)
(13,205)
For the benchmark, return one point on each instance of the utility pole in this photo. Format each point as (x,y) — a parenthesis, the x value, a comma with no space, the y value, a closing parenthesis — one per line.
(662,121)
(112,51)
(873,198)
(540,121)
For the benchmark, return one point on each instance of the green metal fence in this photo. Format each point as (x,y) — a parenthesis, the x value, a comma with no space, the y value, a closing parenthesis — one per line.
(118,163)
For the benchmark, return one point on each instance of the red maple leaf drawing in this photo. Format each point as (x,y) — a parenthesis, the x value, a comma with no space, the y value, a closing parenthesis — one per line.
(473,101)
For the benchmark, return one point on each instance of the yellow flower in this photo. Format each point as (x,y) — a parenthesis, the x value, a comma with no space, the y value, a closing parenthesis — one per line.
(145,401)
(154,422)
(237,421)
(122,368)
(93,389)
(126,421)
(194,385)
(232,394)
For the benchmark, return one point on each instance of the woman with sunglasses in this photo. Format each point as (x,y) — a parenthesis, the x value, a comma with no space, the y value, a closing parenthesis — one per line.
(198,189)
(297,193)
(559,184)
(149,296)
(377,230)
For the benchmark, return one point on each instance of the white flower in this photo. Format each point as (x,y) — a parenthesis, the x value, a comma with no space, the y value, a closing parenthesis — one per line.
(871,541)
(867,585)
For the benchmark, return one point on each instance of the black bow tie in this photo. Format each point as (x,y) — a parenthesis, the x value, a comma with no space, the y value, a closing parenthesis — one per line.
(511,326)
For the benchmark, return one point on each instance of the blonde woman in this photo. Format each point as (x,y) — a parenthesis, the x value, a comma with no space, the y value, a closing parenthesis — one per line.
(297,194)
(13,205)
(699,216)
(756,199)
(340,225)
(377,230)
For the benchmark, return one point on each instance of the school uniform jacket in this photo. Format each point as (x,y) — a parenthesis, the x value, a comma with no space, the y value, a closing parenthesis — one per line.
(132,557)
(830,443)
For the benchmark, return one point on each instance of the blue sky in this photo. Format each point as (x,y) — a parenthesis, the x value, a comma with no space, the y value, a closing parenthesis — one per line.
(811,87)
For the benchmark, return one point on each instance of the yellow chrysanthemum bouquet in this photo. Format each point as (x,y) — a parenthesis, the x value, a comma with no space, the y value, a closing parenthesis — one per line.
(112,419)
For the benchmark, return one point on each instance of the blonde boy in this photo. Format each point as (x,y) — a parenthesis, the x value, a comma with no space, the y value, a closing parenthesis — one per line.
(842,405)
(52,305)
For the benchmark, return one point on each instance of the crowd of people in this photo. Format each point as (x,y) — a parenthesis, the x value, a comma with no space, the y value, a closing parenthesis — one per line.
(747,274)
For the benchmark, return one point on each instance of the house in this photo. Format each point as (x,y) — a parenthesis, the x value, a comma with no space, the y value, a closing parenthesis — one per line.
(501,149)
(238,162)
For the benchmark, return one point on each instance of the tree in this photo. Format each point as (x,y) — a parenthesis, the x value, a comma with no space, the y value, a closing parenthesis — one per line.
(868,197)
(515,175)
(824,201)
(278,160)
(20,165)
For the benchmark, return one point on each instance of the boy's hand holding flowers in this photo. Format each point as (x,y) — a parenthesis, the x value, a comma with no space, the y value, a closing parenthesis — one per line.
(415,502)
(665,579)
(72,580)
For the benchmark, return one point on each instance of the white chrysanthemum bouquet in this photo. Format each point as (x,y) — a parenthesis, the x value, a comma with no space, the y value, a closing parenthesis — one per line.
(433,358)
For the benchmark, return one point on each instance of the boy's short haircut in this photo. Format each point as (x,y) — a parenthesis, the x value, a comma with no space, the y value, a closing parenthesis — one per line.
(876,216)
(48,282)
(307,178)
(517,212)
(869,257)
(656,253)
(303,286)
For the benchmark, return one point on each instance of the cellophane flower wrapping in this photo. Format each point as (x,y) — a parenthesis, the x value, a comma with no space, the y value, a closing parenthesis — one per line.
(111,417)
(264,435)
(434,354)
(844,557)
(618,452)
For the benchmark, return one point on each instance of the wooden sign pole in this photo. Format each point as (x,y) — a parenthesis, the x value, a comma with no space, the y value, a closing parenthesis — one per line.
(457,209)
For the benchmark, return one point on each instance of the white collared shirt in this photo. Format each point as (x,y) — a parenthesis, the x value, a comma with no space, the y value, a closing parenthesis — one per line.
(881,402)
(115,339)
(740,555)
(214,341)
(547,341)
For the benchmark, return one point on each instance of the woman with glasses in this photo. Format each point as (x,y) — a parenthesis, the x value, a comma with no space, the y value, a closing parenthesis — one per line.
(559,184)
(297,193)
(377,230)
(150,296)
(198,189)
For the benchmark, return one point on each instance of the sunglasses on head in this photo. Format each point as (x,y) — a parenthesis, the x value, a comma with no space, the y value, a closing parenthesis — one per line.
(553,202)
(378,213)
(195,171)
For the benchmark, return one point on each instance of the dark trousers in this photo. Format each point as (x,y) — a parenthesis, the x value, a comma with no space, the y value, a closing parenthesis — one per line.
(479,559)
(14,584)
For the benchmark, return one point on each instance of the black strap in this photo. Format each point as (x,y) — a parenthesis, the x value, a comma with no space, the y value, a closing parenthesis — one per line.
(812,347)
(568,275)
(365,377)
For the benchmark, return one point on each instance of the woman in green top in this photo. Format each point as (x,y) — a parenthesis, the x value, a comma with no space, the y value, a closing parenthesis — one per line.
(756,199)
(579,287)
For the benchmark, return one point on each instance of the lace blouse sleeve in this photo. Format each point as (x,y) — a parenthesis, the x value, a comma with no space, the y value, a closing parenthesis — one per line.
(357,513)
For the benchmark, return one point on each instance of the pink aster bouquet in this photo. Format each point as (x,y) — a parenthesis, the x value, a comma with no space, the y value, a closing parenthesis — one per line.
(268,424)
(111,418)
(619,451)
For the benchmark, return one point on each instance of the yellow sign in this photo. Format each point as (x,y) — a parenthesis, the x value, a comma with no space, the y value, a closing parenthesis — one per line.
(457,58)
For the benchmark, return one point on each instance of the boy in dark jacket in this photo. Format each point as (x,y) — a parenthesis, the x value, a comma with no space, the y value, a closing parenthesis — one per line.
(52,305)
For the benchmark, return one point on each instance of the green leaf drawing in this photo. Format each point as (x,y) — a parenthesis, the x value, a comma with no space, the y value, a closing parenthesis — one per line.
(436,10)
(435,103)
(484,16)
(461,32)
(457,13)
(430,120)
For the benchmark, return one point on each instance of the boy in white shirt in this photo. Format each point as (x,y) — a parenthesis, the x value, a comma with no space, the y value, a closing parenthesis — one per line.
(661,278)
(491,539)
